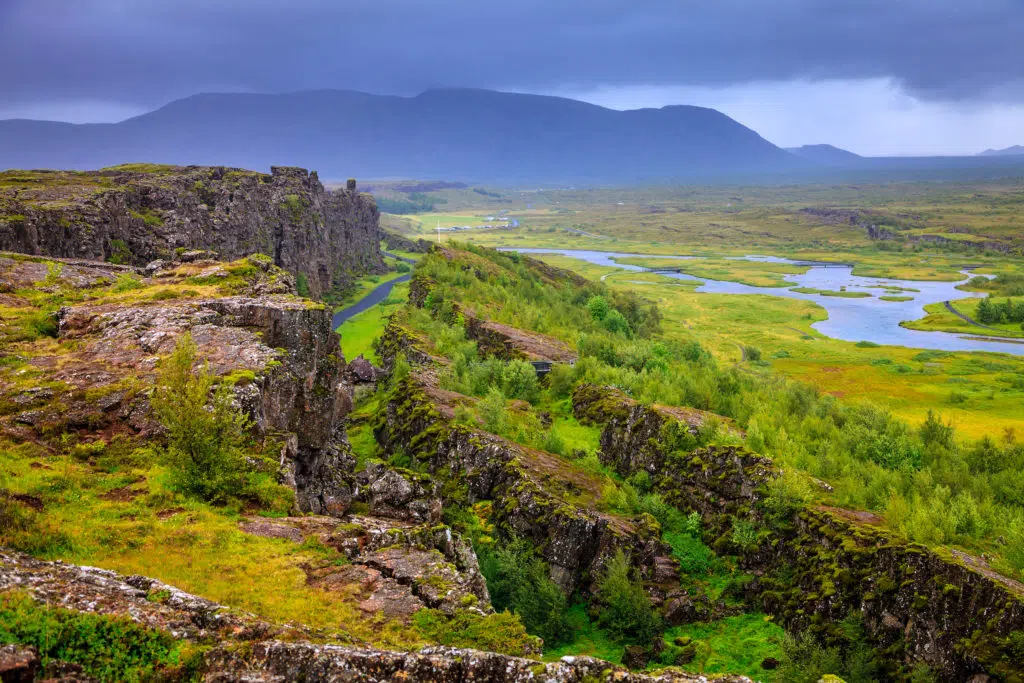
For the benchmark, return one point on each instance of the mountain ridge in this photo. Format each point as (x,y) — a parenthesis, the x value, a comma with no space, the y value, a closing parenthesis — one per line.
(1013,150)
(456,133)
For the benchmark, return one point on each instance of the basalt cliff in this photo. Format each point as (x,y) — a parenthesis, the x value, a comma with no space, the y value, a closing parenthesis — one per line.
(139,213)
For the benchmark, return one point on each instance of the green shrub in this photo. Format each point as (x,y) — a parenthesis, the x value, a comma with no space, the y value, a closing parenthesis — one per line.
(205,432)
(598,307)
(519,581)
(806,660)
(744,534)
(120,254)
(787,495)
(302,284)
(519,380)
(626,611)
(616,323)
(107,648)
(34,326)
(493,412)
(126,283)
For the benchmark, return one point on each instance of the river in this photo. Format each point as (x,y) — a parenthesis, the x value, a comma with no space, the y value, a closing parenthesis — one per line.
(850,319)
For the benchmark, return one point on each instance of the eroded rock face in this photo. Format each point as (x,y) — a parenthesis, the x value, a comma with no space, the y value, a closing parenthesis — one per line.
(18,664)
(402,495)
(139,215)
(635,433)
(575,540)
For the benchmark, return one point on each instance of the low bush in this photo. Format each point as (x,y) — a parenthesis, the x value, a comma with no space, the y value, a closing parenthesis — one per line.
(107,648)
(500,632)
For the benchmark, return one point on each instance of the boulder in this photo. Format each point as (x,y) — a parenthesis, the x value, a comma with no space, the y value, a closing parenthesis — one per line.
(18,664)
(398,494)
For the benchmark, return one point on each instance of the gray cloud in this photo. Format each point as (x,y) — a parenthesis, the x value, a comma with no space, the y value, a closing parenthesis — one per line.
(145,52)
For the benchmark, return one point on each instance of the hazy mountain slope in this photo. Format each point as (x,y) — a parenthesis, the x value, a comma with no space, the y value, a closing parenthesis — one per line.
(827,155)
(1015,150)
(455,134)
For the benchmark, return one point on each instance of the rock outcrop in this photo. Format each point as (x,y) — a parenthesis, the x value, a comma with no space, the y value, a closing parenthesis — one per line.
(393,568)
(530,490)
(280,661)
(139,213)
(950,612)
(279,350)
(635,434)
(403,243)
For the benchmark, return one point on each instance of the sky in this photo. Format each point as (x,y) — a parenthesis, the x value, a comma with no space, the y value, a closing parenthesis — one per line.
(878,77)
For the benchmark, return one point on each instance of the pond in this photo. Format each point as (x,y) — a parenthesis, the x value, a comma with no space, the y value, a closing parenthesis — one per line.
(850,319)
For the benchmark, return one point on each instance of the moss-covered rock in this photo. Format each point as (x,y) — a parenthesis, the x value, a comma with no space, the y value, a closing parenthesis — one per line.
(949,612)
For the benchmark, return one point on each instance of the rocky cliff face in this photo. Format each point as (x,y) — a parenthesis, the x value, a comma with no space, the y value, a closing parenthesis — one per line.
(948,611)
(135,214)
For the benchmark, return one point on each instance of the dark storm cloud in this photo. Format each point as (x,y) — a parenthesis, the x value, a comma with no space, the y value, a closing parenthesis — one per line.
(148,51)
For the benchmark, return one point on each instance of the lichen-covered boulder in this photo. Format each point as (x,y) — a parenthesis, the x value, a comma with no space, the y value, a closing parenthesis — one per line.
(398,494)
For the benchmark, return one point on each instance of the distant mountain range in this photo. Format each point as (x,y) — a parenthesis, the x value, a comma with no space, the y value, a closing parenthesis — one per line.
(480,136)
(1016,150)
(827,155)
(459,134)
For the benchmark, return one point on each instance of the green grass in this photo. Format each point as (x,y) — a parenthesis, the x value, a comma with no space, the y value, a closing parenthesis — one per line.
(889,297)
(735,645)
(366,284)
(753,273)
(414,255)
(831,292)
(107,648)
(589,640)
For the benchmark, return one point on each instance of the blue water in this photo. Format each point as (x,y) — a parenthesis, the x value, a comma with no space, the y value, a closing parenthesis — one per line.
(865,319)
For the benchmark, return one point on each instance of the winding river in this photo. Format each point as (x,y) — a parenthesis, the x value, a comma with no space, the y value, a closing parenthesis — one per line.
(850,319)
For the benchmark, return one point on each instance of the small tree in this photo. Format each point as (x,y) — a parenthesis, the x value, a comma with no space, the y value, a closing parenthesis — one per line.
(627,612)
(205,431)
(987,312)
(616,323)
(598,307)
(519,380)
